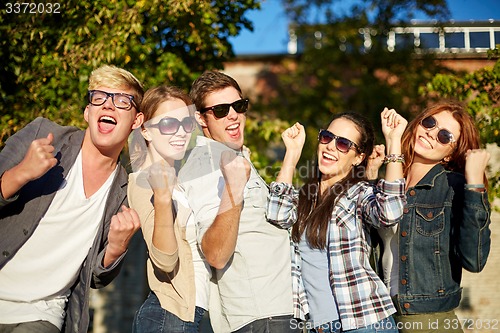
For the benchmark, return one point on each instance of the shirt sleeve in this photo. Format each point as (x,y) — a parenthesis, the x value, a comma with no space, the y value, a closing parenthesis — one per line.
(383,204)
(282,205)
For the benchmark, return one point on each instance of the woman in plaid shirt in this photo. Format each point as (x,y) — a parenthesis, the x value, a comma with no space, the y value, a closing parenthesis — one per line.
(333,281)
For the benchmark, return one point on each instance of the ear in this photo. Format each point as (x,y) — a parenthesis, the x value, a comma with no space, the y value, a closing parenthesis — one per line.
(86,114)
(359,159)
(139,119)
(146,135)
(200,119)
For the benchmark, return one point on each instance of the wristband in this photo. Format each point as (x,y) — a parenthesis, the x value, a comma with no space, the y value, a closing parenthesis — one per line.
(399,158)
(471,186)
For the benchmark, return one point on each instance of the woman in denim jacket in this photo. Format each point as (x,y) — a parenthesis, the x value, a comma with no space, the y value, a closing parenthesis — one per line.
(446,220)
(327,217)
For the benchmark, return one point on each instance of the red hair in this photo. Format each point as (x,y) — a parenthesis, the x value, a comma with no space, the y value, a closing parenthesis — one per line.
(468,139)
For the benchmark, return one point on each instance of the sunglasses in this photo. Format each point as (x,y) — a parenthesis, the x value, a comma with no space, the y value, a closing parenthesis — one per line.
(342,144)
(222,110)
(443,136)
(169,126)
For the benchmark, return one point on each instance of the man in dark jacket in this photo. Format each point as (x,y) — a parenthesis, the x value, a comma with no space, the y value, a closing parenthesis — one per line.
(63,218)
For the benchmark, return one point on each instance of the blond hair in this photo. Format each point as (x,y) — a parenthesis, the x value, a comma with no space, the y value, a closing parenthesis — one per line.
(117,78)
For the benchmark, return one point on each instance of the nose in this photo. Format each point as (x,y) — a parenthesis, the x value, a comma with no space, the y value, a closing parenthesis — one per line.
(232,114)
(109,103)
(332,146)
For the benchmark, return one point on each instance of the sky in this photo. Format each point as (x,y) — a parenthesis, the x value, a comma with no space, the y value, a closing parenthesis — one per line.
(270,24)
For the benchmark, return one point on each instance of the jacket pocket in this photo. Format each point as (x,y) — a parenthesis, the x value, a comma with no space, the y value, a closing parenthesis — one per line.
(430,221)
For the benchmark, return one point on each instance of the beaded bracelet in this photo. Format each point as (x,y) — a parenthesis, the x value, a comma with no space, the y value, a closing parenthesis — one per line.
(400,158)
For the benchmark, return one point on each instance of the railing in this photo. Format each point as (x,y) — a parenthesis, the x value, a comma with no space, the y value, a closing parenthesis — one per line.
(450,37)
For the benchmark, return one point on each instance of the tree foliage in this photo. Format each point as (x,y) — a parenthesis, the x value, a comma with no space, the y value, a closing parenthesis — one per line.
(46,58)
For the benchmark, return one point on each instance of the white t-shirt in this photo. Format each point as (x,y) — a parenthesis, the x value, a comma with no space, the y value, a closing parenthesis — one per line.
(35,283)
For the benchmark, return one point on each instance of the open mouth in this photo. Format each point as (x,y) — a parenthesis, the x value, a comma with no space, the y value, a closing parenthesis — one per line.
(233,129)
(329,157)
(425,142)
(106,124)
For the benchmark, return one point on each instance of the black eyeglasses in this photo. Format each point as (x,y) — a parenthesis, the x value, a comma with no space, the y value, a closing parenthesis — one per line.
(169,126)
(120,100)
(222,110)
(342,144)
(443,136)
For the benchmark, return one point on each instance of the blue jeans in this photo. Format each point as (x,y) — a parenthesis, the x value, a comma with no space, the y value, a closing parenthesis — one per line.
(387,325)
(279,324)
(152,318)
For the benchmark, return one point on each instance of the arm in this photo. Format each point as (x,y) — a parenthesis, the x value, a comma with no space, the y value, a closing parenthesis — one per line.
(38,160)
(161,179)
(393,126)
(123,226)
(294,138)
(475,235)
(383,204)
(282,205)
(219,240)
(375,161)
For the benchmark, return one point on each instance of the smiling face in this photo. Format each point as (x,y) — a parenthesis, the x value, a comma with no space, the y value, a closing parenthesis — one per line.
(109,126)
(333,164)
(427,147)
(229,129)
(170,146)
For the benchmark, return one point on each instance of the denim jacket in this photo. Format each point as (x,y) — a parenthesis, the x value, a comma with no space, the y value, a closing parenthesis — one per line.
(444,229)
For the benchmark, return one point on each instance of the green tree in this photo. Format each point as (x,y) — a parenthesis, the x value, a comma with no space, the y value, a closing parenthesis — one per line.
(46,58)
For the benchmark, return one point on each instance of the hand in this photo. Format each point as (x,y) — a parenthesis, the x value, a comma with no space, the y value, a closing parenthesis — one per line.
(393,124)
(162,179)
(375,161)
(476,161)
(236,172)
(294,137)
(38,159)
(123,226)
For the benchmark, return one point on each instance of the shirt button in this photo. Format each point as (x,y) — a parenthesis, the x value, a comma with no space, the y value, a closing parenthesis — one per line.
(406,305)
(430,215)
(412,192)
(25,232)
(404,282)
(404,234)
(5,253)
(403,258)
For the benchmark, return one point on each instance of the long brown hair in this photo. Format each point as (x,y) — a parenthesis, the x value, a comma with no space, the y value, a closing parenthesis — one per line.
(468,139)
(314,208)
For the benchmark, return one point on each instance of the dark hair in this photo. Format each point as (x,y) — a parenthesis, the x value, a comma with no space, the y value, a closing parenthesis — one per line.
(210,82)
(468,139)
(315,208)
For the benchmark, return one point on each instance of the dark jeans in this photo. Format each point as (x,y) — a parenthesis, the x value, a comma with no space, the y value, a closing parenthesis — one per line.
(39,326)
(152,318)
(280,324)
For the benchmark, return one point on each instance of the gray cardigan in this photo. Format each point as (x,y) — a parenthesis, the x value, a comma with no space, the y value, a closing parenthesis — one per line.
(20,215)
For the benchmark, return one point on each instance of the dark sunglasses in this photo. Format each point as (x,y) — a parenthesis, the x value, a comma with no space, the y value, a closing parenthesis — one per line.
(443,136)
(222,110)
(169,126)
(342,144)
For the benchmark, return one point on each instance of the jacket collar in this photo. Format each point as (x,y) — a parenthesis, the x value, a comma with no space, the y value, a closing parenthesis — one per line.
(431,176)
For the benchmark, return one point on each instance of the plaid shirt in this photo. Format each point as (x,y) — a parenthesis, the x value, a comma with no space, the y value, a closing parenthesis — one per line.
(361,296)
